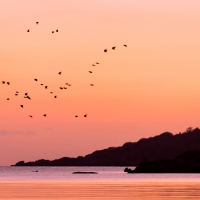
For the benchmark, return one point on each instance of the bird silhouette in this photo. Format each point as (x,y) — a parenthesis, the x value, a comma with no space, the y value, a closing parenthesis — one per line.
(56,30)
(92,84)
(66,83)
(51,92)
(97,63)
(113,48)
(37,23)
(69,84)
(64,88)
(93,65)
(55,97)
(90,71)
(85,115)
(46,87)
(8,83)
(59,73)
(76,115)
(8,99)
(16,94)
(22,106)
(30,116)
(26,94)
(35,79)
(45,115)
(52,32)
(3,82)
(41,84)
(61,88)
(105,50)
(28,30)
(125,45)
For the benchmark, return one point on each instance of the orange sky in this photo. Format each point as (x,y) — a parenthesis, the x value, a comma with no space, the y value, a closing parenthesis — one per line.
(145,89)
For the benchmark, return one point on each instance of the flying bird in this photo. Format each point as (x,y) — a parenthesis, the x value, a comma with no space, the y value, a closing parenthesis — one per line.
(28,30)
(61,88)
(113,48)
(76,115)
(52,32)
(35,79)
(55,97)
(92,84)
(37,23)
(3,82)
(8,99)
(51,92)
(93,65)
(56,30)
(85,115)
(45,115)
(125,45)
(46,87)
(30,116)
(97,63)
(69,84)
(90,71)
(22,106)
(16,94)
(26,94)
(41,84)
(8,83)
(64,88)
(59,73)
(105,50)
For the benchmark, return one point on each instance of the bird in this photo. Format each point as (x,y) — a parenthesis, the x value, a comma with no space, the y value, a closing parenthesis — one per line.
(3,82)
(30,116)
(37,23)
(66,83)
(51,92)
(93,65)
(52,32)
(113,48)
(8,99)
(55,96)
(28,30)
(69,84)
(41,84)
(8,83)
(76,115)
(105,50)
(46,87)
(61,88)
(22,106)
(26,94)
(90,71)
(64,88)
(85,115)
(92,84)
(16,94)
(45,115)
(56,30)
(28,97)
(59,73)
(35,79)
(97,63)
(125,45)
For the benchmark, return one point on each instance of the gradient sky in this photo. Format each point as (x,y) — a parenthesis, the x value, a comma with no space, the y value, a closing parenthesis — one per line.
(150,87)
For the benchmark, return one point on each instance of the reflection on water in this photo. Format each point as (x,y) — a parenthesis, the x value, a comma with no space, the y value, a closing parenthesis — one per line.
(21,183)
(99,190)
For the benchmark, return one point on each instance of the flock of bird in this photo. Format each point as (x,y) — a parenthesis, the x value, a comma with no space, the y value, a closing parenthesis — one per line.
(59,73)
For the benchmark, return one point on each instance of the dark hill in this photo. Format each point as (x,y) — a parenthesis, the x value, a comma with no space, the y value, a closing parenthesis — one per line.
(164,146)
(188,162)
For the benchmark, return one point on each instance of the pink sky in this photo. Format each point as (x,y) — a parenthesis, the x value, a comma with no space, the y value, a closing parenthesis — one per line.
(150,87)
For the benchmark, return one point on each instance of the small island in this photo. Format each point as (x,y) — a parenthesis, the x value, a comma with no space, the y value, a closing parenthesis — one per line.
(188,162)
(84,173)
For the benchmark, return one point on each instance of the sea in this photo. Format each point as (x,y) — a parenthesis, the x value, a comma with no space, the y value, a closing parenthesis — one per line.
(109,183)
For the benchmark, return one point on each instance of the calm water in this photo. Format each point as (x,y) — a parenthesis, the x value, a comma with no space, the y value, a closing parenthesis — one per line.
(21,183)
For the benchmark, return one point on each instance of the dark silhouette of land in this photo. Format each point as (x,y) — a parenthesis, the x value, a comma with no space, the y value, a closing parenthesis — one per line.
(188,162)
(164,146)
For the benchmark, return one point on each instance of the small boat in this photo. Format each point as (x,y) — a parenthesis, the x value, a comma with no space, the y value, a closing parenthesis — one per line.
(84,173)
